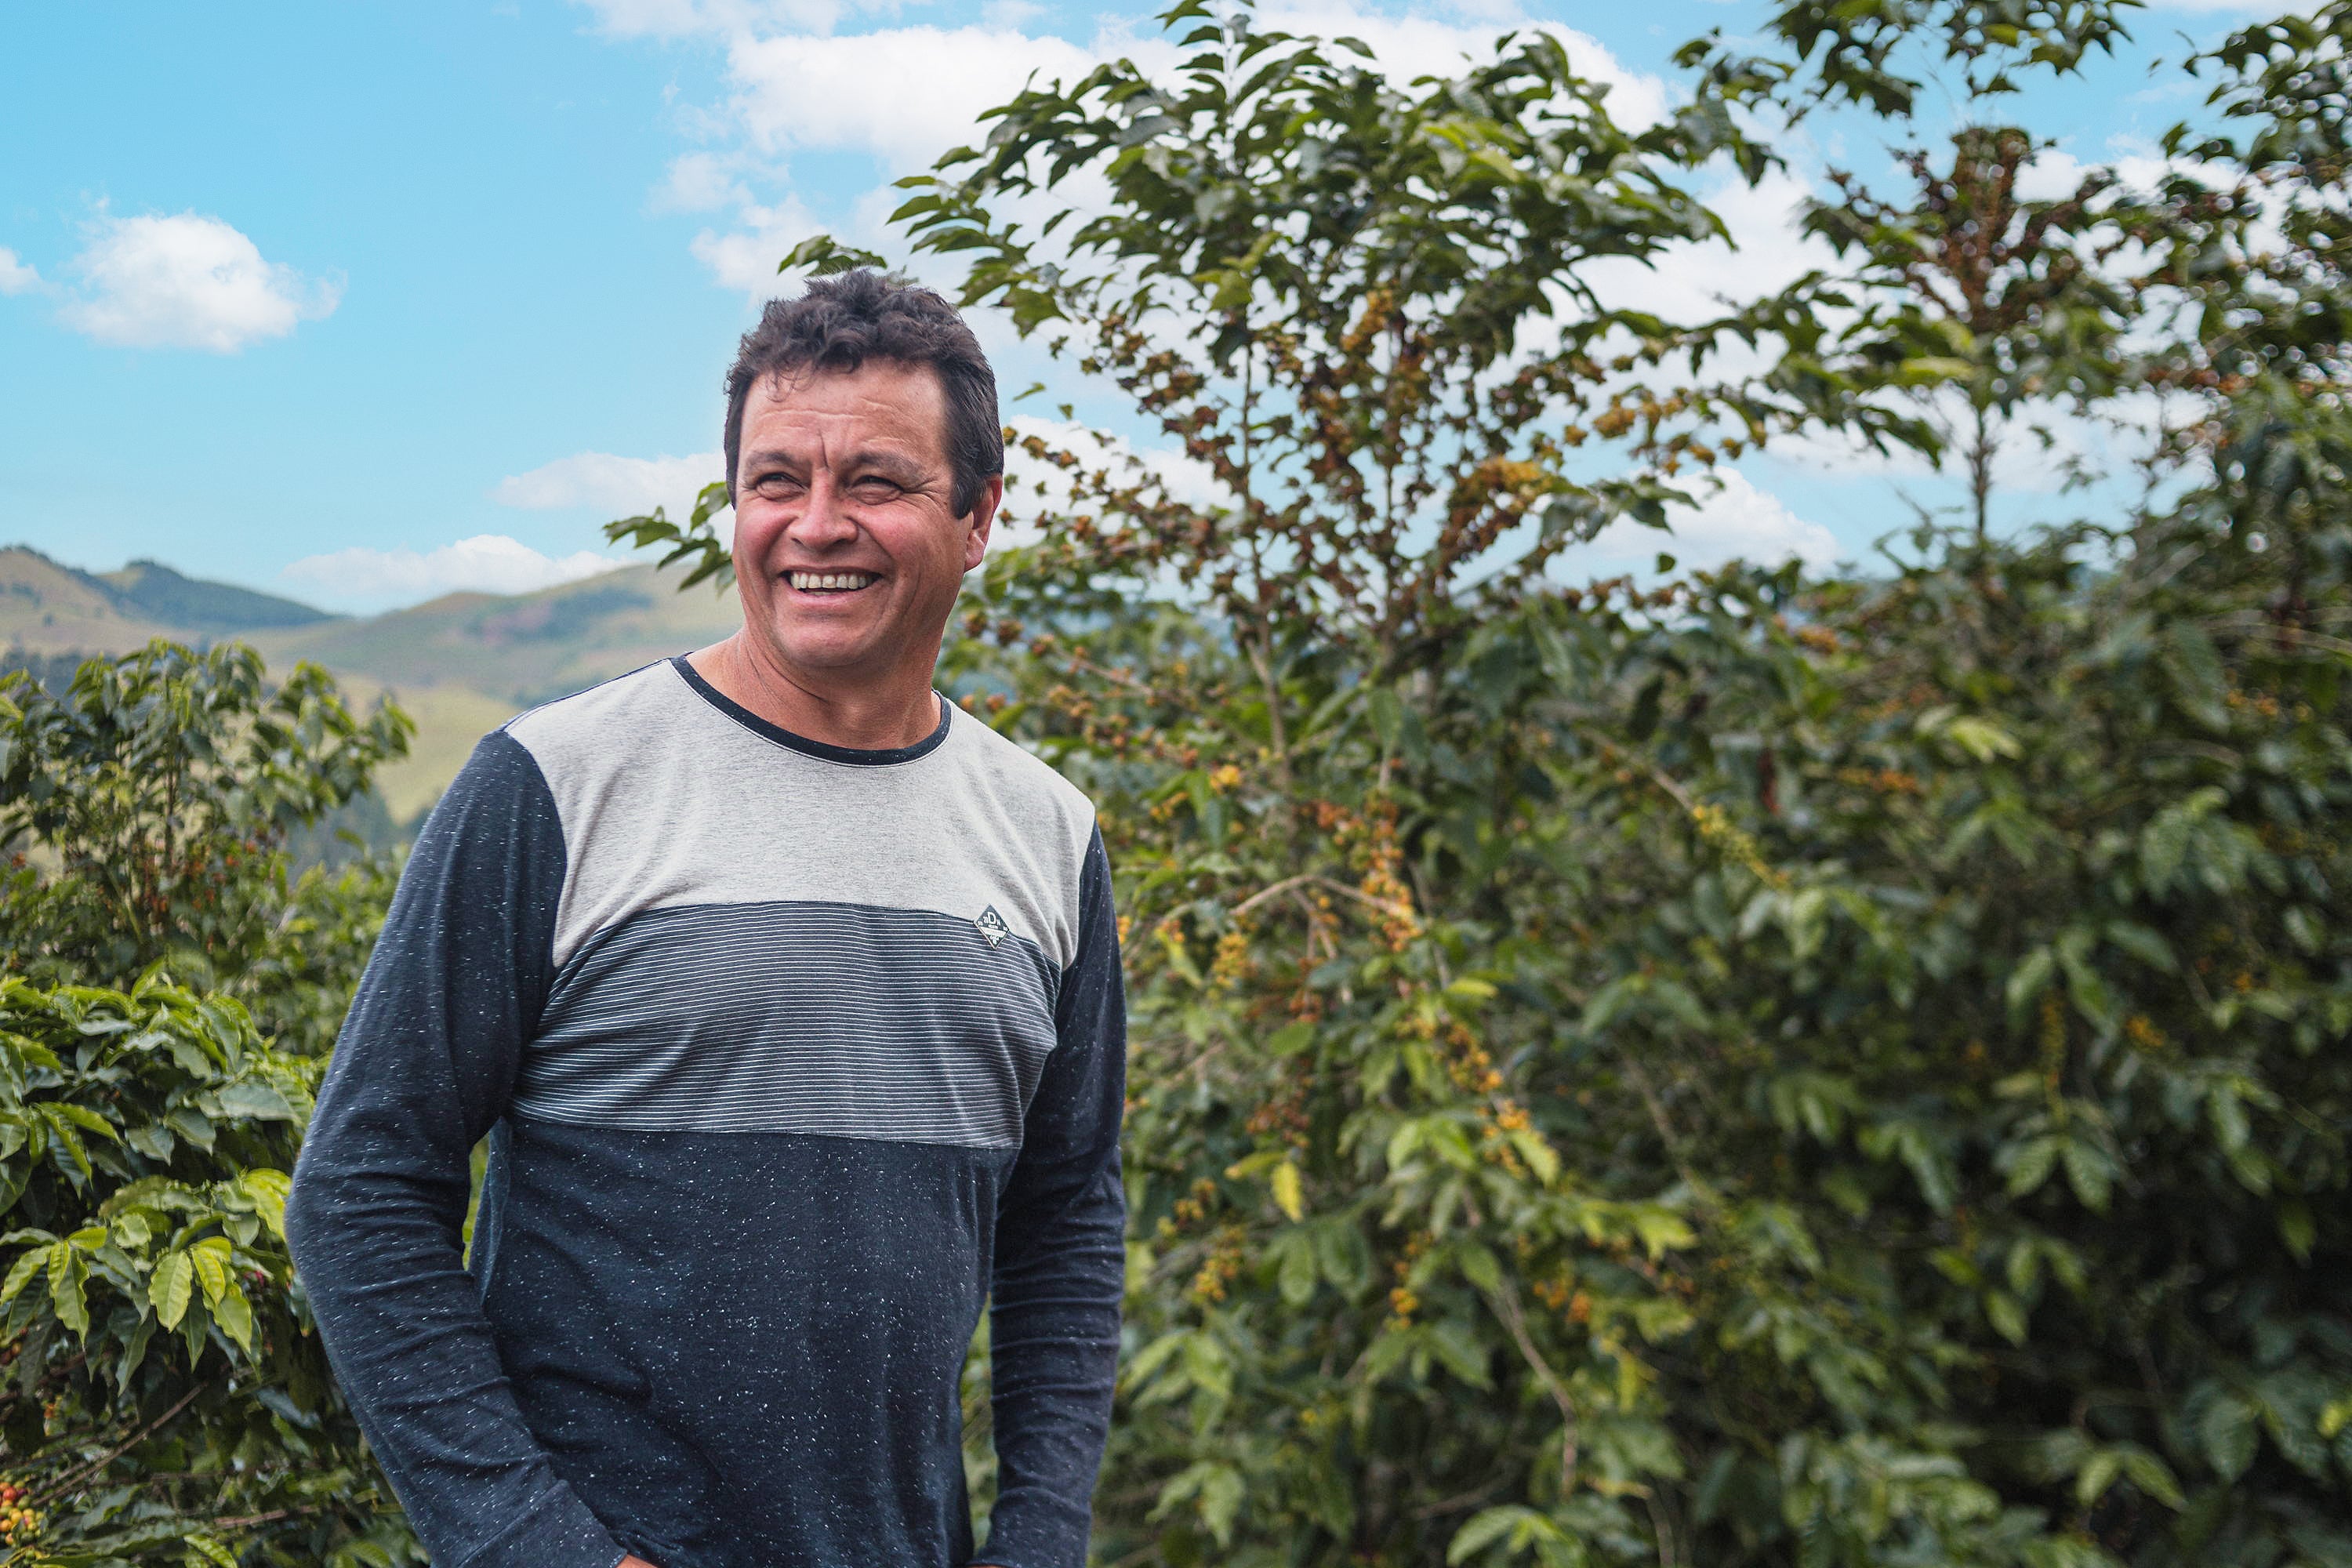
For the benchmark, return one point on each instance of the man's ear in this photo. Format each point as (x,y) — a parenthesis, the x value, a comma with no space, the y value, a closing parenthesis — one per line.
(982,521)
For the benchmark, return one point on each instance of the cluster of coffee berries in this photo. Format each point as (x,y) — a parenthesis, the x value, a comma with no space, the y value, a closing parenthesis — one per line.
(19,1520)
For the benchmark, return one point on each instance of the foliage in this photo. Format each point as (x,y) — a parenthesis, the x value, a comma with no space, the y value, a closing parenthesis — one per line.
(52,671)
(688,540)
(147,808)
(2261,257)
(166,1398)
(1322,286)
(1881,54)
(1750,1070)
(1967,293)
(1755,1069)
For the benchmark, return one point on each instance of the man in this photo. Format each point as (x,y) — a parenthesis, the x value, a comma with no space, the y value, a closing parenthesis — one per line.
(790,1002)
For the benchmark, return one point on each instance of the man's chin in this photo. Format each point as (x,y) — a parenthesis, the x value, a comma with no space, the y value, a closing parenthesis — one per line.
(835,656)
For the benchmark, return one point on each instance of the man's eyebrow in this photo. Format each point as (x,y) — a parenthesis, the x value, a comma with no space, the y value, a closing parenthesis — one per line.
(893,466)
(896,466)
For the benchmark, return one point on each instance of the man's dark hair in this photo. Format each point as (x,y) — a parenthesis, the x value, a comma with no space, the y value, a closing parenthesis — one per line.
(839,323)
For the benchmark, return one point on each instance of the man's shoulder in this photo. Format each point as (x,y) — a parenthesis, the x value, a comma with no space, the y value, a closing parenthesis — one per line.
(592,722)
(1020,773)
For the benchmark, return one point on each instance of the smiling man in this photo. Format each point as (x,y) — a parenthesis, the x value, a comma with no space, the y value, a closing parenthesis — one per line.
(790,1005)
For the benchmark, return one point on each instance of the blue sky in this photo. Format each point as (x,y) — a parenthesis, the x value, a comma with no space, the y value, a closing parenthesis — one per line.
(364,303)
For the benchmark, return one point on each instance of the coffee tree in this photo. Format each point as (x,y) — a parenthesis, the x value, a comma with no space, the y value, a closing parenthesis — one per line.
(1756,1069)
(171,988)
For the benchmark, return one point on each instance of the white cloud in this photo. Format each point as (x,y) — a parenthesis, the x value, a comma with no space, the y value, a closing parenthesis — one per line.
(15,276)
(810,91)
(700,182)
(795,91)
(1739,521)
(2056,173)
(795,86)
(617,487)
(361,578)
(746,258)
(691,18)
(1690,281)
(188,282)
(1417,44)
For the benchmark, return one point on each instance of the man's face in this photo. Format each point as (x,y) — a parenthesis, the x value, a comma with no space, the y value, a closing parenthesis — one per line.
(848,553)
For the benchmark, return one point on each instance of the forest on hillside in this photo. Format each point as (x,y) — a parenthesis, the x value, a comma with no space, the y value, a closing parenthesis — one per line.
(1742,1067)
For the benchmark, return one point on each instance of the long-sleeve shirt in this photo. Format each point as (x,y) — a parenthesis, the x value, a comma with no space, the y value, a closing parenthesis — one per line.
(790,1057)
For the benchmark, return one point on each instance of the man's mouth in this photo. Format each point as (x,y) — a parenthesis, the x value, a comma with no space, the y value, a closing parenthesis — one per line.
(830,582)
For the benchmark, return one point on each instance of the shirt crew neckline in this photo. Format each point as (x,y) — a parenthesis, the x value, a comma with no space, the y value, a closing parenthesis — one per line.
(850,756)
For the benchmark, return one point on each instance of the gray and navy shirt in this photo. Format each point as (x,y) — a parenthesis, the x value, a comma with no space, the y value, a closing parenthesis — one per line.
(790,1056)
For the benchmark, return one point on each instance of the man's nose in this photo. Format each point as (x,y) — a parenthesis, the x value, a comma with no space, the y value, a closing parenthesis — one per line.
(825,519)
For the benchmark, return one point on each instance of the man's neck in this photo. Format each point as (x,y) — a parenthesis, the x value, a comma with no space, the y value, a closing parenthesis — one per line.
(879,717)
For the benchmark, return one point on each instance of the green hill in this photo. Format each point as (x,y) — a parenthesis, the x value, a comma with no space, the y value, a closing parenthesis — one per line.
(47,607)
(525,649)
(461,665)
(163,595)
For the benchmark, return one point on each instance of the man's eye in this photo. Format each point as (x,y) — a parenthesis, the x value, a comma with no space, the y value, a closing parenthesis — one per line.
(774,486)
(872,488)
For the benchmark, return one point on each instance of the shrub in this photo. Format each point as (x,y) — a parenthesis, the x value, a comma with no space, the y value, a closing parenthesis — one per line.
(165,1396)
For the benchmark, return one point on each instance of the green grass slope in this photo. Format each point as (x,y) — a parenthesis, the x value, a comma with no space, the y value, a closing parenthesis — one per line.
(449,719)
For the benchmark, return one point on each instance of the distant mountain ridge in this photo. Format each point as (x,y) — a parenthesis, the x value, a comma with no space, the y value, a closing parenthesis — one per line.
(167,596)
(461,665)
(46,607)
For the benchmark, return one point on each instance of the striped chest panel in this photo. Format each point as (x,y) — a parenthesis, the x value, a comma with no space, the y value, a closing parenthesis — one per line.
(754,939)
(797,1018)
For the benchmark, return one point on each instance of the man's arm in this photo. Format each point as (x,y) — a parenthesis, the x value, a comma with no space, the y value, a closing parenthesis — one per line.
(423,1069)
(1060,1264)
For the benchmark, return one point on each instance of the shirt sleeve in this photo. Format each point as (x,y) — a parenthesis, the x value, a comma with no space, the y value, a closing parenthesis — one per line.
(423,1069)
(1060,1264)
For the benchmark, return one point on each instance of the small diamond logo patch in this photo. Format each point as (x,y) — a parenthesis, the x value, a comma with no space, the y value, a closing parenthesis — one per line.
(991,926)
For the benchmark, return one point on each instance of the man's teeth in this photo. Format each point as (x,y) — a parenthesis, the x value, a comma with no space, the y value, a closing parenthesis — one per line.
(829,581)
